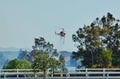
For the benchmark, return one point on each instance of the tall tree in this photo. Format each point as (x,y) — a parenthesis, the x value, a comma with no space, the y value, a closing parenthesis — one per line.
(100,34)
(42,46)
(54,64)
(43,62)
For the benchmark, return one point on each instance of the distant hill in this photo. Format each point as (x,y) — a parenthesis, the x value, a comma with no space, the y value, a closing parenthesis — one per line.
(69,61)
(12,49)
(7,55)
(2,60)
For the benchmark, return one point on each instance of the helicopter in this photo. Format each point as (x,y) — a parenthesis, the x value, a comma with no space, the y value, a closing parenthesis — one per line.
(61,33)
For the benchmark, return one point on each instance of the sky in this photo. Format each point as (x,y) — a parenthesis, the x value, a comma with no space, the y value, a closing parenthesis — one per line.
(23,20)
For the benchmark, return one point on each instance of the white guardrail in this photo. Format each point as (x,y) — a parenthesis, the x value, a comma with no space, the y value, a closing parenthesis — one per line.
(86,73)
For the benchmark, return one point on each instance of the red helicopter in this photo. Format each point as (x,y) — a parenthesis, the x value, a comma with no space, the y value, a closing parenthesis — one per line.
(61,33)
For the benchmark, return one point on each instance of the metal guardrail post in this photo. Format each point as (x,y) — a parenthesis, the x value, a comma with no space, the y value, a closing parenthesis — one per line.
(25,75)
(35,75)
(17,74)
(86,70)
(107,75)
(4,75)
(52,74)
(67,75)
(61,74)
(103,72)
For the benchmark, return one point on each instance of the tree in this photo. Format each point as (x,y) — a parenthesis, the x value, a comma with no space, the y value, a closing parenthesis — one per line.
(77,56)
(105,58)
(54,64)
(40,45)
(100,34)
(24,55)
(17,64)
(43,46)
(42,56)
(43,62)
(62,60)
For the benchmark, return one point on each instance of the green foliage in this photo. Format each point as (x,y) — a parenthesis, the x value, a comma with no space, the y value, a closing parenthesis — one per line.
(116,62)
(100,34)
(42,45)
(18,64)
(54,64)
(41,59)
(44,62)
(41,62)
(105,58)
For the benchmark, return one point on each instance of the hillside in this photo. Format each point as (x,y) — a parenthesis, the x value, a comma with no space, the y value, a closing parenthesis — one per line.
(6,56)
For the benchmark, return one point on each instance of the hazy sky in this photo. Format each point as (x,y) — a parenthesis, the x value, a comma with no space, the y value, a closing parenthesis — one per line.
(23,20)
